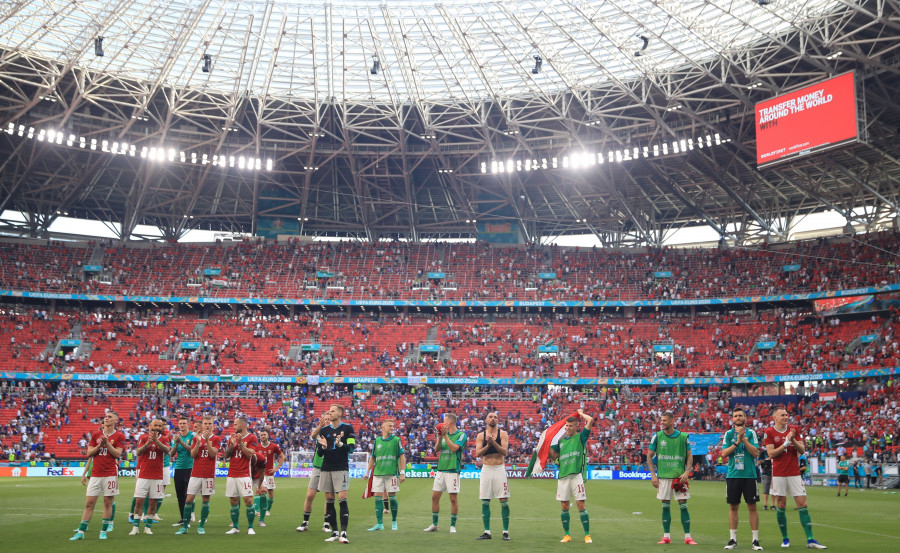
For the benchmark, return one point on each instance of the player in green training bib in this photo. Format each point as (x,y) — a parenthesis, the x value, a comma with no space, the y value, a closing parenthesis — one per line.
(389,463)
(313,487)
(741,446)
(449,444)
(670,463)
(571,451)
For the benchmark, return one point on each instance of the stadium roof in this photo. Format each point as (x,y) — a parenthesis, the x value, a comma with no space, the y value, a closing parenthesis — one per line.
(379,118)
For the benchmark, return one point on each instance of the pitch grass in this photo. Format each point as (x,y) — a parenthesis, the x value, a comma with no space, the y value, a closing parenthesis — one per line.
(40,515)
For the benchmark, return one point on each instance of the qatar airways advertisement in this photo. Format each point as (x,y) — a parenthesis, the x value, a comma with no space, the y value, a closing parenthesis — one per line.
(807,121)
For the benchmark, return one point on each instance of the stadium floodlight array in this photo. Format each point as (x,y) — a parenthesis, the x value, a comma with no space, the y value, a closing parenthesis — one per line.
(578,160)
(160,153)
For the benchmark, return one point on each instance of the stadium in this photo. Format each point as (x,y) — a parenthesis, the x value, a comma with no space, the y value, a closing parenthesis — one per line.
(263,209)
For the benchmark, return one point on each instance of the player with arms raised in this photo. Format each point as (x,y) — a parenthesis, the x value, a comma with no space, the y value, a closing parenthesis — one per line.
(784,443)
(388,463)
(571,450)
(104,449)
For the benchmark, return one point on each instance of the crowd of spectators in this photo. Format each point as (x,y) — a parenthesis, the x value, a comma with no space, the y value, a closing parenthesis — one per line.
(866,423)
(588,345)
(471,271)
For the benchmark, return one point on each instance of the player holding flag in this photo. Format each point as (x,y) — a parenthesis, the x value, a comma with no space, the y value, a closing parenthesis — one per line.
(571,451)
(549,437)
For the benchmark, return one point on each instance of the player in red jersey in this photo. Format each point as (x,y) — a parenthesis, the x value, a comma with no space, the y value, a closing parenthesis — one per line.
(274,460)
(152,449)
(204,450)
(258,474)
(104,450)
(238,452)
(784,444)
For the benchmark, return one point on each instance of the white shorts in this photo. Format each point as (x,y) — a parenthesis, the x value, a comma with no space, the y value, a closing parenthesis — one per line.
(784,486)
(103,485)
(153,488)
(167,477)
(570,486)
(269,480)
(388,483)
(201,486)
(446,482)
(666,493)
(494,484)
(238,487)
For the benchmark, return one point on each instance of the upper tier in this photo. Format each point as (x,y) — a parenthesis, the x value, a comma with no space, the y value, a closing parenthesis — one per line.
(470,272)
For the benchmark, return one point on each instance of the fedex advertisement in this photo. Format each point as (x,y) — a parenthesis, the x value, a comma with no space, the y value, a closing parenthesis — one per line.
(807,121)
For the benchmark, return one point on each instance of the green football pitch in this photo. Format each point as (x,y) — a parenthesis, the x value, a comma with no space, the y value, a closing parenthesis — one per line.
(40,515)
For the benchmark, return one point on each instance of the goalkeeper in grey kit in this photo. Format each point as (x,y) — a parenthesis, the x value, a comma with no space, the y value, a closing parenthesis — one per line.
(335,442)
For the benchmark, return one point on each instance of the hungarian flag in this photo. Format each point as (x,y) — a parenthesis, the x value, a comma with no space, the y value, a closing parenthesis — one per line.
(367,493)
(541,453)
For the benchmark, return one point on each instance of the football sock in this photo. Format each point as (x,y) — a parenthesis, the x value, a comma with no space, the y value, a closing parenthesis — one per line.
(732,534)
(133,502)
(159,504)
(755,534)
(83,527)
(806,521)
(504,512)
(330,514)
(585,521)
(136,522)
(235,515)
(345,514)
(269,501)
(434,518)
(186,515)
(251,516)
(452,519)
(263,507)
(256,501)
(306,515)
(666,517)
(204,513)
(782,521)
(379,510)
(146,507)
(564,516)
(114,510)
(105,525)
(394,508)
(486,514)
(685,518)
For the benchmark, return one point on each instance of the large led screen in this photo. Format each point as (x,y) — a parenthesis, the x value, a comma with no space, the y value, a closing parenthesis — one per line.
(806,121)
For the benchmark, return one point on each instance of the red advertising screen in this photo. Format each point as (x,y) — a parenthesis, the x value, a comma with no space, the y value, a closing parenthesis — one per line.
(806,121)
